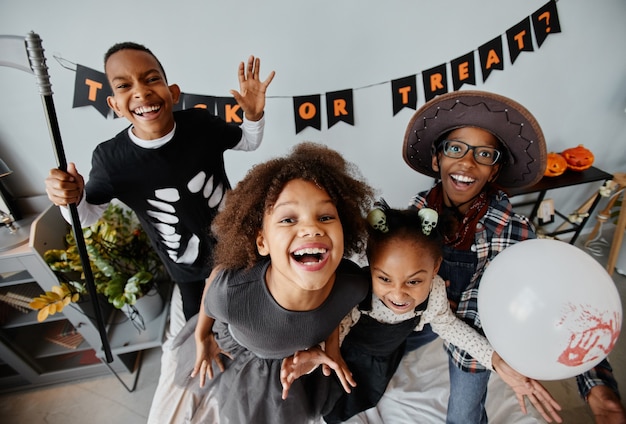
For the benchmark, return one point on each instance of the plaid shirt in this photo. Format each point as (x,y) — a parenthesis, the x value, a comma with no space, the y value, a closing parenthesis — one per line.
(600,375)
(498,229)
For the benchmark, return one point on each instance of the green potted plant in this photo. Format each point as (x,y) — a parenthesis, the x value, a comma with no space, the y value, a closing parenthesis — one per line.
(124,264)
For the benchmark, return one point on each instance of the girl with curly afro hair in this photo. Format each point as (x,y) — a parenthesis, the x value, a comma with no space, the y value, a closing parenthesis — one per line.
(236,227)
(282,284)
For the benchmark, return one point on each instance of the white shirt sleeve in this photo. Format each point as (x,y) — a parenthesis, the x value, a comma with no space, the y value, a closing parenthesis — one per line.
(251,134)
(87,212)
(451,328)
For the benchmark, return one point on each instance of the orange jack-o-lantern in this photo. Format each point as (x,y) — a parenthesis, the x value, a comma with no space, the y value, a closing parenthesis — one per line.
(578,158)
(556,165)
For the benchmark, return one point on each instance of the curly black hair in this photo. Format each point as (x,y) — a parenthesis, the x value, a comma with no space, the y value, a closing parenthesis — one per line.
(404,224)
(236,227)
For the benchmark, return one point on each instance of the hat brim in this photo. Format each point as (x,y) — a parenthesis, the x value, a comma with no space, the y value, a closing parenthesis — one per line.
(512,124)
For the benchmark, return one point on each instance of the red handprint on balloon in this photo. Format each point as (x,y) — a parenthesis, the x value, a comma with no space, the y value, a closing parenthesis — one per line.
(593,335)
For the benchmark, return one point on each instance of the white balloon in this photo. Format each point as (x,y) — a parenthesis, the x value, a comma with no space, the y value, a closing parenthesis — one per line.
(549,309)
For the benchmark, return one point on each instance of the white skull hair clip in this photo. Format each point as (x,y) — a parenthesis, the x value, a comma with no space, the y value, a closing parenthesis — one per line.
(429,217)
(378,220)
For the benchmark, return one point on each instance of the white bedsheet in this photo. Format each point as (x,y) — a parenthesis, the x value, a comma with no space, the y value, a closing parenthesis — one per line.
(418,392)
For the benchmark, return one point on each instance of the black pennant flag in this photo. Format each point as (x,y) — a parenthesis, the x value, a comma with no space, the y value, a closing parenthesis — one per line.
(229,110)
(180,104)
(435,81)
(546,22)
(519,39)
(463,71)
(307,112)
(404,93)
(491,56)
(340,107)
(91,88)
(190,101)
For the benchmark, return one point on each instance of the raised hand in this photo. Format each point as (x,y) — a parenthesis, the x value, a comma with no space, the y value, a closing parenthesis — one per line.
(251,96)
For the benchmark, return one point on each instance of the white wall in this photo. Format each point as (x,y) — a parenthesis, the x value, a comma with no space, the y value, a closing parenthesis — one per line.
(575,84)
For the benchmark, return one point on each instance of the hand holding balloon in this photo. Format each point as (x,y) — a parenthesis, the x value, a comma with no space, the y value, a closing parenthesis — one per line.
(538,395)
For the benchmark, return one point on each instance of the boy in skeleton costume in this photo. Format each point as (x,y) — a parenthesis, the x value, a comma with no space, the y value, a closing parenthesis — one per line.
(167,166)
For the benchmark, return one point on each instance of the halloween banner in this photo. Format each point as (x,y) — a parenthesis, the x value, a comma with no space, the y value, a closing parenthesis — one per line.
(339,107)
(404,93)
(491,57)
(229,110)
(435,81)
(307,112)
(546,22)
(519,40)
(91,87)
(463,71)
(188,101)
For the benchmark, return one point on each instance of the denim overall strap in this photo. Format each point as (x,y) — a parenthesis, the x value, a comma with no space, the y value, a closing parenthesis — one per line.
(457,270)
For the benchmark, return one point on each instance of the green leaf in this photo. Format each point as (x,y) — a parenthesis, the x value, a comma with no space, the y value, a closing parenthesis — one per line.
(132,288)
(119,301)
(142,277)
(115,287)
(131,298)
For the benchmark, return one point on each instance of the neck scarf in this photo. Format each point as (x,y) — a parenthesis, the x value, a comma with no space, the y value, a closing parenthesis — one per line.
(458,229)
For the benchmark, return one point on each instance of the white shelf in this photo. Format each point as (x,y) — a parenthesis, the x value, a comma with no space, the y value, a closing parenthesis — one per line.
(27,359)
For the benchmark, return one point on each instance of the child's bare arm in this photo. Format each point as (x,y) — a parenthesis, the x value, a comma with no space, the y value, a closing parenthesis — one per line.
(207,349)
(333,350)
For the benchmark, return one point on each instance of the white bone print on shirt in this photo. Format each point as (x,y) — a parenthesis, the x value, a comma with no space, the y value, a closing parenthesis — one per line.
(165,214)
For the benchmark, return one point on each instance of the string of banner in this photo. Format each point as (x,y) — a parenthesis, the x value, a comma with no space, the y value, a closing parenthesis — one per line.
(91,87)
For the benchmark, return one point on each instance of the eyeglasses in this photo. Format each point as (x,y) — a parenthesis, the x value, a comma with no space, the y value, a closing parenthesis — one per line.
(483,155)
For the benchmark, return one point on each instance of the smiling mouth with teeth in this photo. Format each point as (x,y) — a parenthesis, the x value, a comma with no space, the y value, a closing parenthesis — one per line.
(312,255)
(462,179)
(399,305)
(145,109)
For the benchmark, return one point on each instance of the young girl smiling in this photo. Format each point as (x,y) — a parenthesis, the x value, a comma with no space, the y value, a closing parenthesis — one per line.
(282,285)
